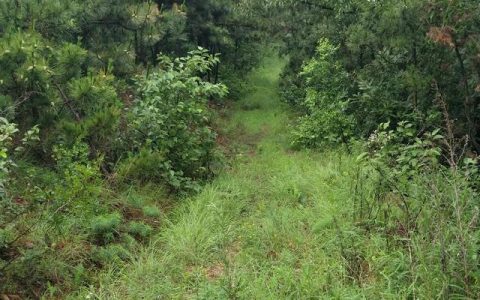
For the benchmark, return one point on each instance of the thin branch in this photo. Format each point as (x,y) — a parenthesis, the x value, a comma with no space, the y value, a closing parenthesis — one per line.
(67,102)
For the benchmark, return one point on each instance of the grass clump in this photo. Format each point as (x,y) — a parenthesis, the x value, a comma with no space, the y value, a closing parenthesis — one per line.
(151,211)
(139,230)
(106,227)
(111,255)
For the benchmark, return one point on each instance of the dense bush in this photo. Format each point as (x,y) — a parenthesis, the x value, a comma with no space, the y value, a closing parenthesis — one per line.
(47,86)
(170,123)
(427,212)
(398,57)
(327,121)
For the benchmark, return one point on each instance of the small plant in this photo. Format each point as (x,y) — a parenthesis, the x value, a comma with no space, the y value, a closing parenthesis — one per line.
(142,167)
(151,212)
(105,228)
(82,175)
(110,254)
(139,230)
(8,132)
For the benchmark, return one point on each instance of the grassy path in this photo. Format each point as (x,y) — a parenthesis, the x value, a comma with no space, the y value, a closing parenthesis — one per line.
(263,230)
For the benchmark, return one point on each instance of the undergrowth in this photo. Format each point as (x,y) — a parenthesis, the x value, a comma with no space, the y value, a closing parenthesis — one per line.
(284,224)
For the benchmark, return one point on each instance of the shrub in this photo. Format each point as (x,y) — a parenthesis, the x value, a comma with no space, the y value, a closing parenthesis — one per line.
(172,118)
(96,111)
(142,167)
(326,121)
(402,150)
(9,155)
(106,227)
(111,254)
(75,170)
(139,230)
(427,212)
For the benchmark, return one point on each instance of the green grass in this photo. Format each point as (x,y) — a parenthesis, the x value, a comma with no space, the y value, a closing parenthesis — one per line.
(267,228)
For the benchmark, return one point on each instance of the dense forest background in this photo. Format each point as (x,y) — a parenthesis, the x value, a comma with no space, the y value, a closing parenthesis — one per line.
(107,106)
